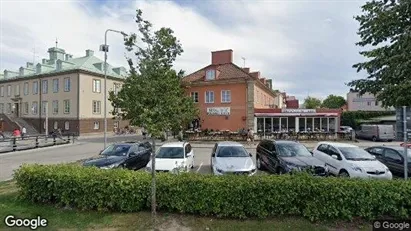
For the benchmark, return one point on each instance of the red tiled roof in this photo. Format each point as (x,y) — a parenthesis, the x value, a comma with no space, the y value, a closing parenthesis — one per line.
(224,71)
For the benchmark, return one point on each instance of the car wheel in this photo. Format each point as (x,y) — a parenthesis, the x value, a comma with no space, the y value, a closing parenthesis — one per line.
(344,173)
(259,165)
(374,139)
(280,171)
(192,164)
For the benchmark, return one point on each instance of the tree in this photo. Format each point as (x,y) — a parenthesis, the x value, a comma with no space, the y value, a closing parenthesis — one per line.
(152,96)
(333,101)
(312,103)
(385,25)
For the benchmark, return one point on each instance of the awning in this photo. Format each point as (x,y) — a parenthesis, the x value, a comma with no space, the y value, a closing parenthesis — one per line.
(295,114)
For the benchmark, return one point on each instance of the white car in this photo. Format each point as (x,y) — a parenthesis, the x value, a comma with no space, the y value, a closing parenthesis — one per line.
(173,155)
(231,158)
(348,160)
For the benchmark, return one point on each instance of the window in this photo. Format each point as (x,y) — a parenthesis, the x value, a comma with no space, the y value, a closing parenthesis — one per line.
(55,125)
(8,108)
(45,86)
(2,91)
(55,106)
(26,88)
(225,96)
(209,97)
(44,125)
(116,124)
(66,125)
(66,104)
(194,95)
(376,103)
(34,108)
(55,85)
(376,151)
(96,125)
(26,108)
(44,107)
(392,155)
(96,85)
(116,88)
(1,108)
(67,84)
(96,107)
(35,88)
(368,103)
(210,75)
(9,90)
(17,90)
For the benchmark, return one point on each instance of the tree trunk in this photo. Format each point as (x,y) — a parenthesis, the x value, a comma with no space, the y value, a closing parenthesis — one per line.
(153,180)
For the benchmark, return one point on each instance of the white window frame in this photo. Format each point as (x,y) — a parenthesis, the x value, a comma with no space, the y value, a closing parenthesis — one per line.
(55,107)
(67,84)
(35,87)
(56,85)
(66,105)
(17,90)
(96,107)
(195,94)
(44,86)
(224,93)
(56,125)
(34,107)
(206,100)
(8,90)
(96,87)
(1,91)
(66,125)
(96,125)
(210,77)
(26,88)
(44,106)
(26,108)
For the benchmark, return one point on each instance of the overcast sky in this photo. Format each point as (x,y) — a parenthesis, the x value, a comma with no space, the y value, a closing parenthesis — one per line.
(306,47)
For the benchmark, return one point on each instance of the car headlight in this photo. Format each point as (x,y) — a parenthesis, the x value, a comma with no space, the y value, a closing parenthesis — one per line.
(356,168)
(111,166)
(292,166)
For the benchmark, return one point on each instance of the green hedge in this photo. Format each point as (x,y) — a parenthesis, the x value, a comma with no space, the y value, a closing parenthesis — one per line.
(352,118)
(227,196)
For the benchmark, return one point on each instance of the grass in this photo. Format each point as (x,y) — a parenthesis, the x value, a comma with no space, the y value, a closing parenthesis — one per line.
(71,219)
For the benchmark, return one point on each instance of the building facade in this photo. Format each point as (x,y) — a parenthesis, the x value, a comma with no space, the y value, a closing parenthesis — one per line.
(68,91)
(365,102)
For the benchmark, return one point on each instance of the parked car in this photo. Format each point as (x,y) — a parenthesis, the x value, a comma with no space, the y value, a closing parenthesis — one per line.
(376,132)
(130,155)
(392,157)
(348,160)
(173,155)
(282,156)
(231,158)
(346,129)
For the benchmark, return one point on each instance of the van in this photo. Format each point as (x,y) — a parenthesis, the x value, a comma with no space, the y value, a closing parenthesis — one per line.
(376,132)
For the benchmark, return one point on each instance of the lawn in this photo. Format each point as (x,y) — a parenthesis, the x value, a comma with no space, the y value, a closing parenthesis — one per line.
(66,218)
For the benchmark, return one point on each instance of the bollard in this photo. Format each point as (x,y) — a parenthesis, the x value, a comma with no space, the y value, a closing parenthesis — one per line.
(14,144)
(68,138)
(37,141)
(54,140)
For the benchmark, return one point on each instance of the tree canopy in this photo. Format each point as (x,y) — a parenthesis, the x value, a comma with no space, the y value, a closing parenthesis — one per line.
(334,102)
(312,103)
(152,96)
(386,27)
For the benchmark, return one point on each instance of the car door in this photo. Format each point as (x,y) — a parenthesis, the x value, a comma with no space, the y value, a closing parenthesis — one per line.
(394,161)
(131,162)
(334,164)
(320,152)
(272,156)
(189,154)
(262,152)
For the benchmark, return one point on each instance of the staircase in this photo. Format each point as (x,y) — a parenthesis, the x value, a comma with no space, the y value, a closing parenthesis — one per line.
(29,128)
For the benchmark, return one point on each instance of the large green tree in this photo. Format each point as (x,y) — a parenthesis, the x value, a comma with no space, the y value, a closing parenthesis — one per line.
(312,102)
(385,27)
(152,96)
(333,101)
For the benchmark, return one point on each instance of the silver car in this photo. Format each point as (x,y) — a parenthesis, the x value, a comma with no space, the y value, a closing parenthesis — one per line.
(231,158)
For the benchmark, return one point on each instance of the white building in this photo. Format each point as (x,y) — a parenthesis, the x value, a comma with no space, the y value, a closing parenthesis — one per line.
(365,102)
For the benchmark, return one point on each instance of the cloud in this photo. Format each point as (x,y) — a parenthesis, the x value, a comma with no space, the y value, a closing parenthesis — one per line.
(303,46)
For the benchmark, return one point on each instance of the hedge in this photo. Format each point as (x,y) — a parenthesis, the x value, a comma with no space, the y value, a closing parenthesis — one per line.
(222,196)
(352,118)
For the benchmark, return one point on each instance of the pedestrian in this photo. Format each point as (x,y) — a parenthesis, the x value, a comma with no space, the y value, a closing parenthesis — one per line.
(16,133)
(144,133)
(23,132)
(250,137)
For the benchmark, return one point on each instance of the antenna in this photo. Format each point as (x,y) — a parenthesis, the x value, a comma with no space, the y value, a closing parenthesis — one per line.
(243,61)
(56,42)
(34,56)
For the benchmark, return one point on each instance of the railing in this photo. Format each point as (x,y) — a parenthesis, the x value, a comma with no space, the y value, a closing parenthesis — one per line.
(12,144)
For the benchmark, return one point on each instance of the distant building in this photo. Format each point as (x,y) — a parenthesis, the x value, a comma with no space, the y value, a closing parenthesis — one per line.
(292,102)
(365,102)
(70,90)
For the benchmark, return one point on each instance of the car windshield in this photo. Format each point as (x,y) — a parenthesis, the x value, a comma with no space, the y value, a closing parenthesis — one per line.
(292,149)
(116,150)
(232,151)
(355,153)
(170,153)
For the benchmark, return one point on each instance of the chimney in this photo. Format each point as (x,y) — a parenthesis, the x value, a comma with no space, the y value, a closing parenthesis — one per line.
(21,71)
(68,56)
(29,65)
(246,69)
(269,83)
(255,74)
(44,61)
(262,80)
(89,53)
(221,57)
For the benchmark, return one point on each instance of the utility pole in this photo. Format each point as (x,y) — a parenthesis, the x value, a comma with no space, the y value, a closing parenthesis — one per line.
(404,109)
(46,111)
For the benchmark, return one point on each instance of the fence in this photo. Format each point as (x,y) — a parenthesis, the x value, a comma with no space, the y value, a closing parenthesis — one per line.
(11,144)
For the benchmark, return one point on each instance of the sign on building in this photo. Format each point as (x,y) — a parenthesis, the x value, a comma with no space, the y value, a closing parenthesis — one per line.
(400,123)
(218,111)
(289,110)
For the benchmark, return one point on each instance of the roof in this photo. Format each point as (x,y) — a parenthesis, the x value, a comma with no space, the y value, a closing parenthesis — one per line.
(339,145)
(225,71)
(174,144)
(229,144)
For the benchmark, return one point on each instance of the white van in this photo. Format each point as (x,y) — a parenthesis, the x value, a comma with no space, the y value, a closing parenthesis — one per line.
(376,132)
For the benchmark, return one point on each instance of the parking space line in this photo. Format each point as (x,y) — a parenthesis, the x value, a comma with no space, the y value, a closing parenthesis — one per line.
(199,167)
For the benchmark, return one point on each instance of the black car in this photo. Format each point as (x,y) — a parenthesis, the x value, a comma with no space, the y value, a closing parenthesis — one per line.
(130,155)
(280,156)
(392,157)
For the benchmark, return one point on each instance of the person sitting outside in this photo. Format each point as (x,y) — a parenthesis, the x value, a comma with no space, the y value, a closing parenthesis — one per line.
(16,133)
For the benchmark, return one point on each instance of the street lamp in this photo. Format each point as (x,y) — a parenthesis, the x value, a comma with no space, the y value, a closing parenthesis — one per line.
(104,48)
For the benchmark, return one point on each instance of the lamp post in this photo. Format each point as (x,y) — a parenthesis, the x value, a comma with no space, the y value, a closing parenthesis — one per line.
(104,48)
(405,138)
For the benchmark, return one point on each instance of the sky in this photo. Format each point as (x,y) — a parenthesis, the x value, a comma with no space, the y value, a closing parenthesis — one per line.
(306,47)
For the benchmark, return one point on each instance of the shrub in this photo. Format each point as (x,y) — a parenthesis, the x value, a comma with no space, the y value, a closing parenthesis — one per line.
(226,196)
(352,118)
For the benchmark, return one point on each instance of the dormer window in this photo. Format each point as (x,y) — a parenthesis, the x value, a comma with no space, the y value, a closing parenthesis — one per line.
(210,74)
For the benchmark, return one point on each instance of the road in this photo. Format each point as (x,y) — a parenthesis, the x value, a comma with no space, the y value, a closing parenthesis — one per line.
(88,147)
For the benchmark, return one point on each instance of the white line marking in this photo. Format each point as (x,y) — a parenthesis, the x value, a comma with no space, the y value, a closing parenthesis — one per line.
(199,167)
